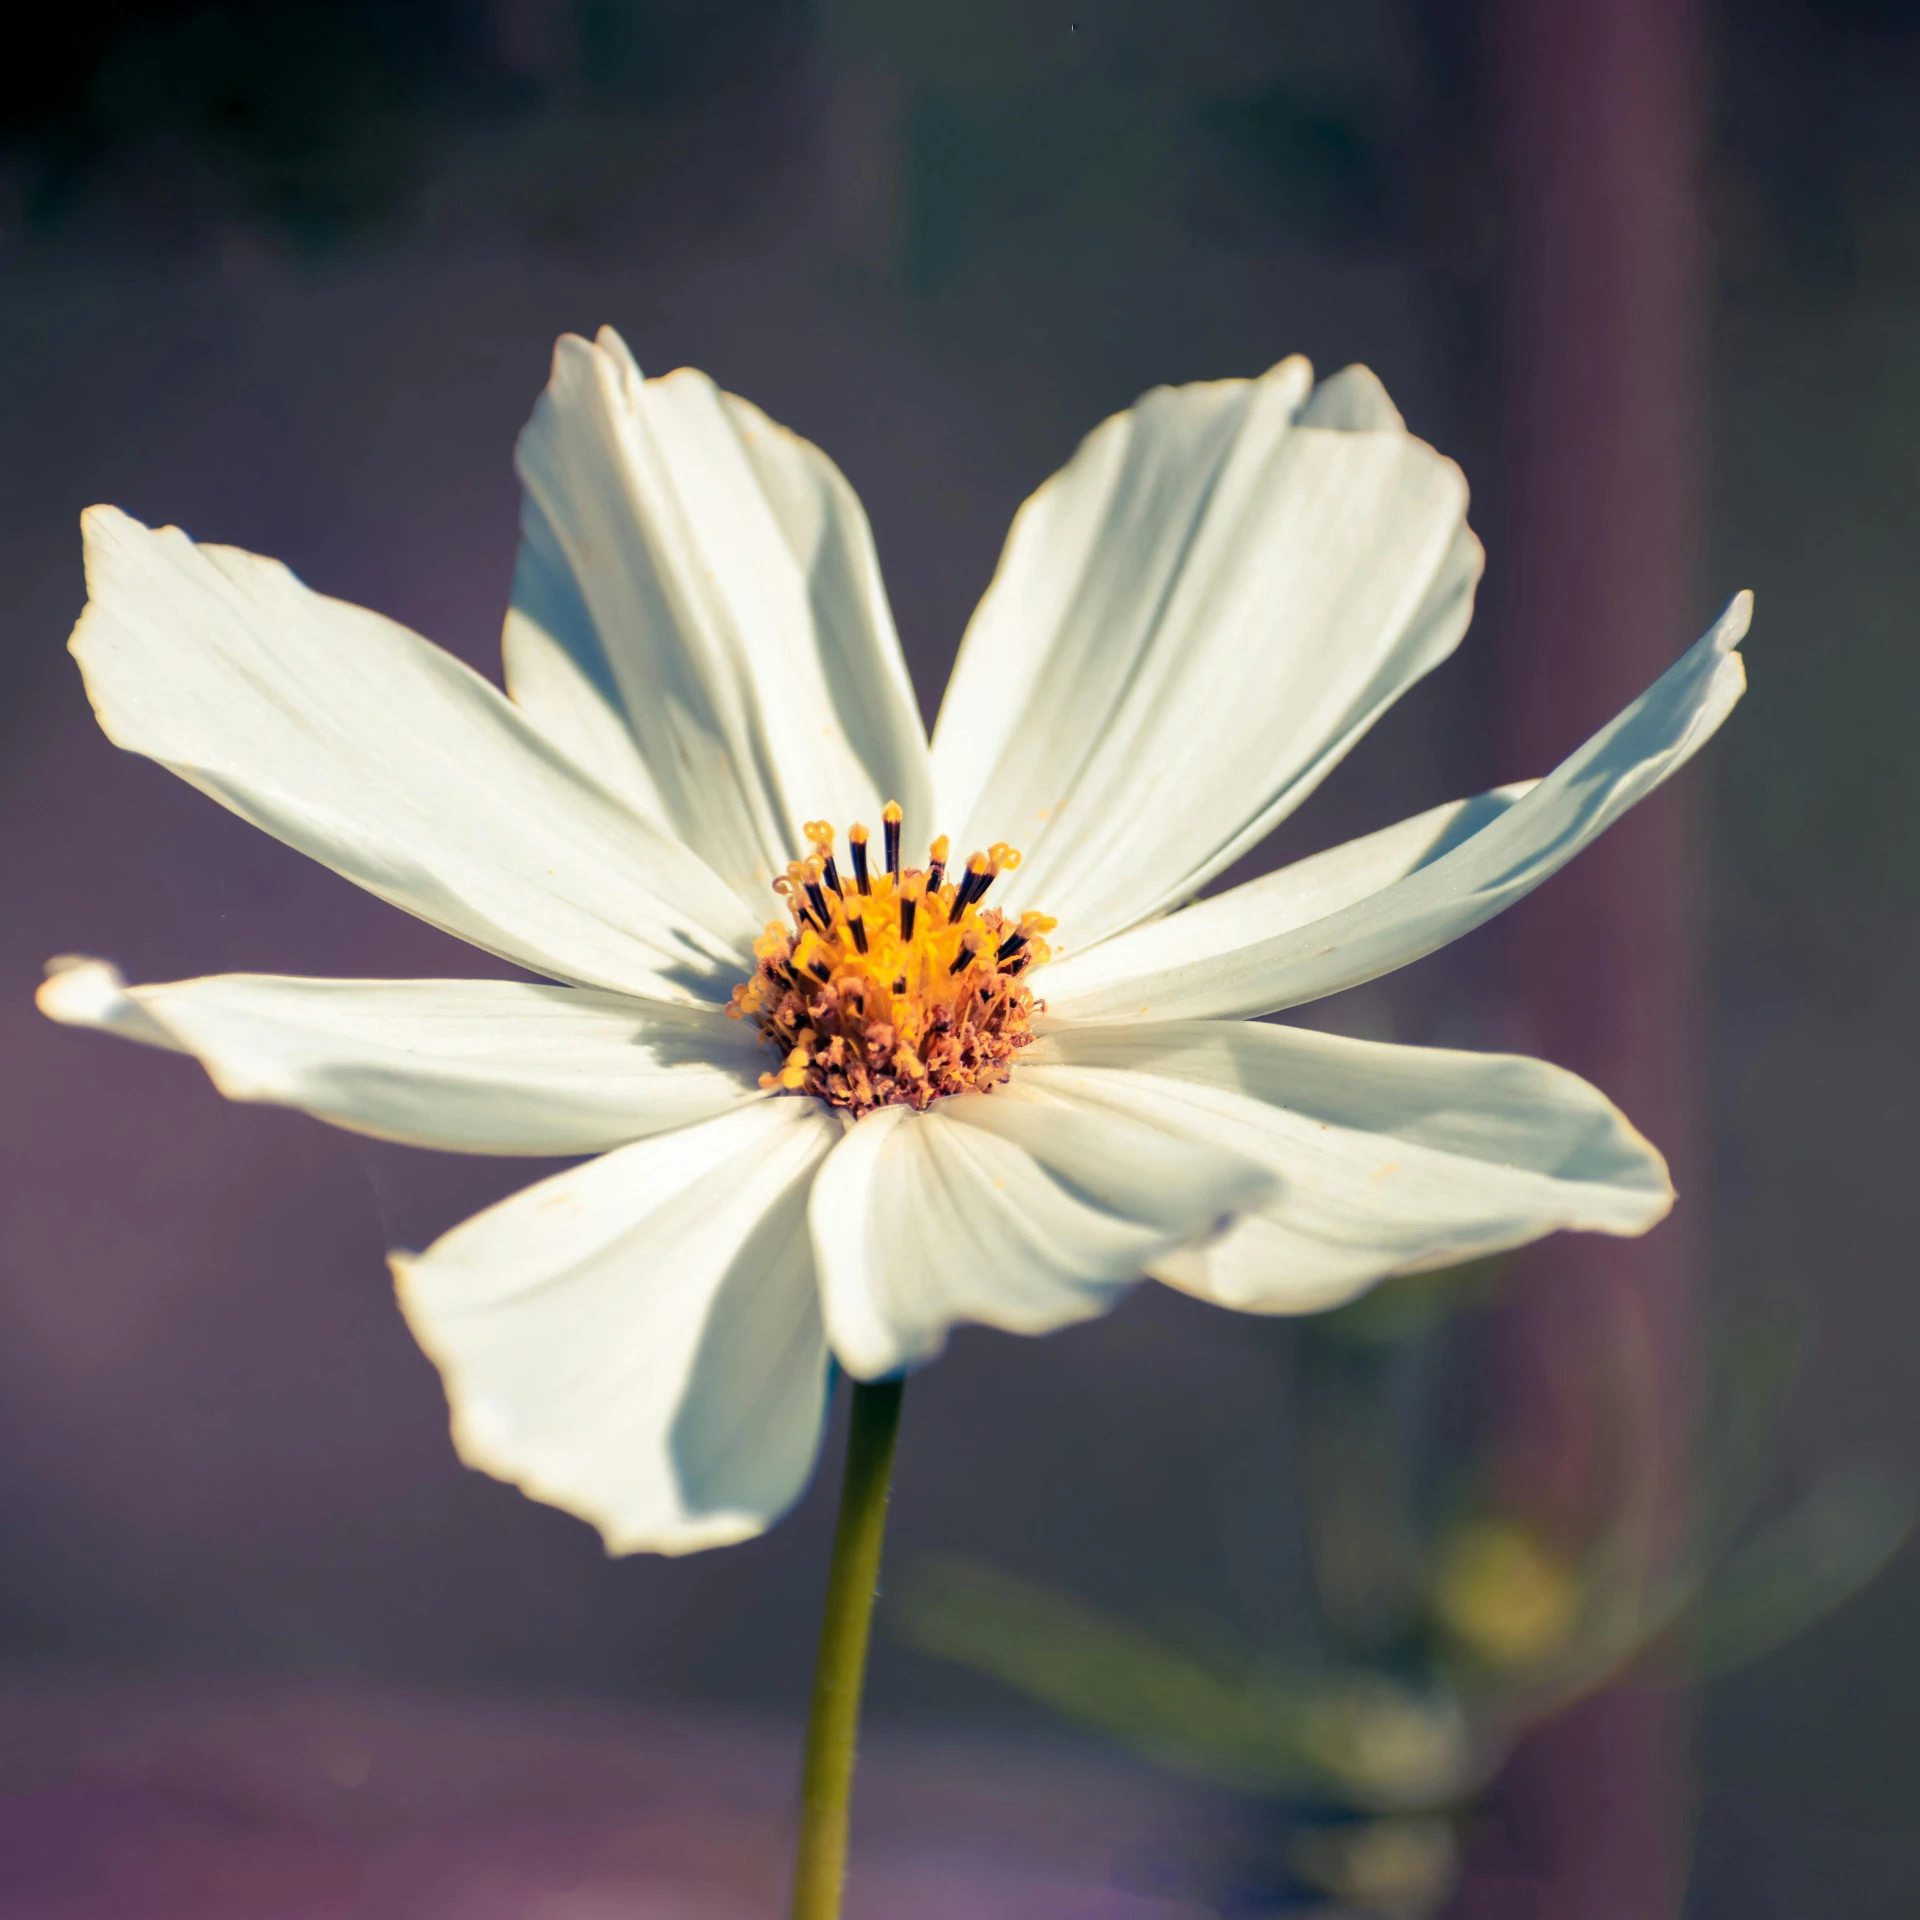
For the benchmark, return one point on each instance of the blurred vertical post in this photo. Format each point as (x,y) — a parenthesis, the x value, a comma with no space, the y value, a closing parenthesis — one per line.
(1600,108)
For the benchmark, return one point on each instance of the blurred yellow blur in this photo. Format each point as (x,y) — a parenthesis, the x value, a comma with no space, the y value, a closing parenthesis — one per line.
(1502,1595)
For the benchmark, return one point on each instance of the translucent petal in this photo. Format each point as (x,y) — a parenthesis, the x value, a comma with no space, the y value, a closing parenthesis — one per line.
(702,582)
(1360,911)
(1020,1209)
(1192,622)
(469,1066)
(638,1339)
(362,745)
(1385,1159)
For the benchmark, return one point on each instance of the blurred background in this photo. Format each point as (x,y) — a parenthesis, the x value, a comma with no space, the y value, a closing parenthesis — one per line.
(1571,1589)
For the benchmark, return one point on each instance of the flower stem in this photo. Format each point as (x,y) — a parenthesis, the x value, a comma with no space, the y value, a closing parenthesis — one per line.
(826,1785)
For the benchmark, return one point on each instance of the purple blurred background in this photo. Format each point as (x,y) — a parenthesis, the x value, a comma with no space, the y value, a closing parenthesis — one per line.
(289,276)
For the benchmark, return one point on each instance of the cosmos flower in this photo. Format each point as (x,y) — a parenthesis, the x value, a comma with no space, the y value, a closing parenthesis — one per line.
(844,1093)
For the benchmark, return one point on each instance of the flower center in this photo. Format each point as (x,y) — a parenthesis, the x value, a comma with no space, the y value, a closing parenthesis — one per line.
(896,986)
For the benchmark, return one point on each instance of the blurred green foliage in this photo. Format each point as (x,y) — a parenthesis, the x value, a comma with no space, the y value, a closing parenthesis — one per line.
(1451,1626)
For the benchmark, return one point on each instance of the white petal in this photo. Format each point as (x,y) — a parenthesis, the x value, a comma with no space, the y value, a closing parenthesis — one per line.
(361,744)
(1192,622)
(470,1066)
(1017,1209)
(558,672)
(638,1339)
(1304,893)
(1386,1159)
(1351,401)
(1362,910)
(80,991)
(710,580)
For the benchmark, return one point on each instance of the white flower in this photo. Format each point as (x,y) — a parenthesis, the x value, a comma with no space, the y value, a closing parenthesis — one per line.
(1191,623)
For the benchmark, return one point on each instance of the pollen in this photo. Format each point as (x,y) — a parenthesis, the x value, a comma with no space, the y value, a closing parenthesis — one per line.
(890,985)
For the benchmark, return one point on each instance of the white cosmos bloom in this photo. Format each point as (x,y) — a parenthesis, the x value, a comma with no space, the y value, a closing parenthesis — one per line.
(1192,622)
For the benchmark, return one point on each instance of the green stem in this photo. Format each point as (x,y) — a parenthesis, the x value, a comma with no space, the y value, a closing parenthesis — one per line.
(833,1729)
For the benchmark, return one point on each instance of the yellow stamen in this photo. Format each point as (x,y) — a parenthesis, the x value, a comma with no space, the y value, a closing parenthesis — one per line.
(896,991)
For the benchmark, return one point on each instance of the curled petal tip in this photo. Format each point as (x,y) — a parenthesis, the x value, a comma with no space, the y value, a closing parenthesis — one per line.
(83,992)
(80,991)
(1736,620)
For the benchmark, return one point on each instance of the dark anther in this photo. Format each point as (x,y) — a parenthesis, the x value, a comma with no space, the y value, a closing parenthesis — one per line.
(962,960)
(820,970)
(819,900)
(857,845)
(1010,946)
(907,905)
(892,829)
(973,883)
(900,985)
(858,928)
(831,875)
(936,872)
